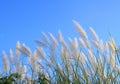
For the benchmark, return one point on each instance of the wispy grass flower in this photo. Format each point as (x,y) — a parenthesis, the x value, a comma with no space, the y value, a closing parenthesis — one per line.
(94,34)
(83,58)
(95,43)
(40,43)
(53,39)
(5,62)
(92,59)
(80,30)
(40,52)
(60,37)
(25,50)
(82,43)
(18,46)
(11,56)
(45,38)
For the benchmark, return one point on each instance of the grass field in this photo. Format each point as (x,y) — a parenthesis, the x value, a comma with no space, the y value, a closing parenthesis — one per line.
(82,60)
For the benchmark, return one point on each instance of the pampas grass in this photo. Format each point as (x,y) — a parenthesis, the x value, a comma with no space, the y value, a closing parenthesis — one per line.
(5,62)
(54,61)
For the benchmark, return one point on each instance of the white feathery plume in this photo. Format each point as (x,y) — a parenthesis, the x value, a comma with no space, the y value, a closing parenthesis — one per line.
(61,40)
(70,43)
(82,43)
(25,50)
(95,43)
(18,46)
(111,59)
(83,57)
(33,58)
(101,46)
(45,37)
(11,56)
(80,30)
(111,47)
(100,60)
(62,52)
(90,53)
(60,37)
(106,46)
(65,45)
(75,43)
(36,54)
(72,48)
(70,40)
(5,61)
(94,34)
(98,44)
(92,59)
(88,44)
(40,52)
(40,43)
(63,56)
(53,39)
(75,47)
(52,50)
(112,41)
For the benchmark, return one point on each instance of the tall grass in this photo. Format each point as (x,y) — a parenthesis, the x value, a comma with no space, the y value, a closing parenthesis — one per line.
(82,60)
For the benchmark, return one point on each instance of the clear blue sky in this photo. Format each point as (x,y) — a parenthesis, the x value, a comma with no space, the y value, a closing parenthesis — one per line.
(24,20)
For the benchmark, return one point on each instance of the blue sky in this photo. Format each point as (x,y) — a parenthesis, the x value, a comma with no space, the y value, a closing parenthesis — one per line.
(24,20)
